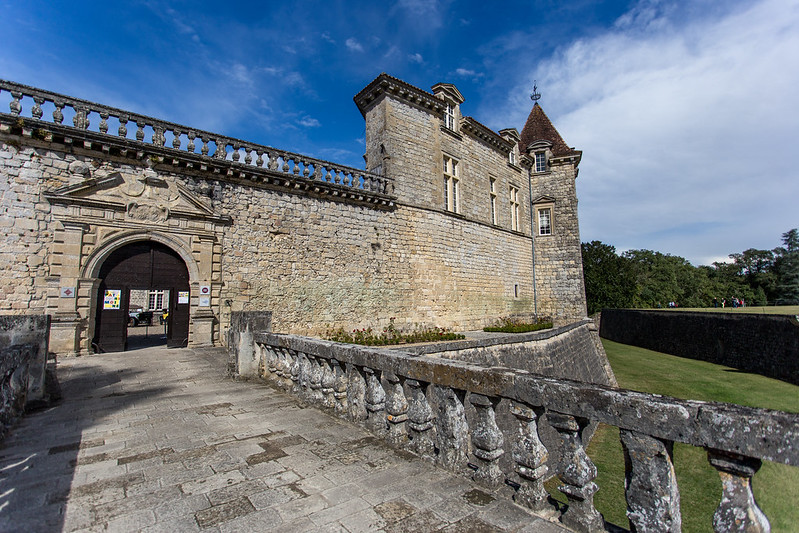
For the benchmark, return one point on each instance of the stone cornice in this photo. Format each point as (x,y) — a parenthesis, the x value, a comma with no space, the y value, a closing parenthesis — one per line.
(490,137)
(385,85)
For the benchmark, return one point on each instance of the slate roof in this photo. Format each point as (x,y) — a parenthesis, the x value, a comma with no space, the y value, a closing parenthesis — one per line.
(537,128)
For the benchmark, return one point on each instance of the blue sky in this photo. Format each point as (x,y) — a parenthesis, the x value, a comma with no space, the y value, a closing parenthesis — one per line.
(685,111)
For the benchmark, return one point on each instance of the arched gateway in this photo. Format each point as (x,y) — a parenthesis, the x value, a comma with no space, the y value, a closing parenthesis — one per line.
(141,266)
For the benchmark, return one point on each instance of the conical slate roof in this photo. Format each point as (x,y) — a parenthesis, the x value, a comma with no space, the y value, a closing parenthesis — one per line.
(539,128)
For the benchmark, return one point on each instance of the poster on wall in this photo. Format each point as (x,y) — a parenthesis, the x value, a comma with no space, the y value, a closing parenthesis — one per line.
(183,297)
(112,299)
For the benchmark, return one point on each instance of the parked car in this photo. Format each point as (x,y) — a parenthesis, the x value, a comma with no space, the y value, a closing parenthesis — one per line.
(138,316)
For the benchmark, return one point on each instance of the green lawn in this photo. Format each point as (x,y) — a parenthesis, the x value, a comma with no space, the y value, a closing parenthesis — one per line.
(776,486)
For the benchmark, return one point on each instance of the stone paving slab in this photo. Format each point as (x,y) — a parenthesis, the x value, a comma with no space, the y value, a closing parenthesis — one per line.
(161,440)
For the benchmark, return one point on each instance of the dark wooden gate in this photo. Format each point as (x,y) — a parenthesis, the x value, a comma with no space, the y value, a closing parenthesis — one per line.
(142,265)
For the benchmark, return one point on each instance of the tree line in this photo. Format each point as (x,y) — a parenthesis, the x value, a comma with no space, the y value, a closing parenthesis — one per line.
(649,279)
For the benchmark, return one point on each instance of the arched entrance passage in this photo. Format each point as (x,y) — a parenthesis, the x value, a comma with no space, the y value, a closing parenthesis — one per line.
(142,265)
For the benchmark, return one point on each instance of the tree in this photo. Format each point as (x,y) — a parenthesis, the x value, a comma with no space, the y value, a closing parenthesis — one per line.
(609,280)
(786,267)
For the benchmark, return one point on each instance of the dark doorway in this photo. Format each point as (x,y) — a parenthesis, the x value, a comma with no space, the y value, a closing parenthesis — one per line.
(148,266)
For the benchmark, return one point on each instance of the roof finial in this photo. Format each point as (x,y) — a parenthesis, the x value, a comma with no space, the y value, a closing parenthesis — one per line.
(536,96)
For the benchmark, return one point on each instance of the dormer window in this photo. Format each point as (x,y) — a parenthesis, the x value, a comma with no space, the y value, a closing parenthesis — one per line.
(449,117)
(512,157)
(540,162)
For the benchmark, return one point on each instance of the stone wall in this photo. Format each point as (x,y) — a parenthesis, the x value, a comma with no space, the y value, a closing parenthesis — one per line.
(23,360)
(763,344)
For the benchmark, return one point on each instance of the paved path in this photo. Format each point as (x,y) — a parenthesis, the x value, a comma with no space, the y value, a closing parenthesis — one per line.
(160,440)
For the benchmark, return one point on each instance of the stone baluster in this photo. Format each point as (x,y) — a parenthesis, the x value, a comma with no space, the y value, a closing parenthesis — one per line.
(81,118)
(327,175)
(306,169)
(271,362)
(190,146)
(259,161)
(295,368)
(356,392)
(396,410)
(158,136)
(176,139)
(123,126)
(221,149)
(285,168)
(36,111)
(272,160)
(340,388)
(577,473)
(139,131)
(314,380)
(530,456)
(451,429)
(420,419)
(487,441)
(375,402)
(653,499)
(328,383)
(301,386)
(103,126)
(247,155)
(317,171)
(296,164)
(58,112)
(235,155)
(205,149)
(738,510)
(14,105)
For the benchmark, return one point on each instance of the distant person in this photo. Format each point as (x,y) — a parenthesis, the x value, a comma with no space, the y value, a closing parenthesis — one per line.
(723,303)
(715,302)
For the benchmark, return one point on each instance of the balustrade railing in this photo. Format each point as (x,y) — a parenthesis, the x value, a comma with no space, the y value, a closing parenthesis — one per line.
(447,411)
(39,105)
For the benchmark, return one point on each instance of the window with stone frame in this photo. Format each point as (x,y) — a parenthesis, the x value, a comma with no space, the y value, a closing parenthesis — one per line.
(514,208)
(449,117)
(492,192)
(540,162)
(451,185)
(544,220)
(512,156)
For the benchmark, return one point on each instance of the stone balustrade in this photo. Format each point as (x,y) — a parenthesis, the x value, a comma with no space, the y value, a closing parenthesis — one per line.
(485,421)
(29,105)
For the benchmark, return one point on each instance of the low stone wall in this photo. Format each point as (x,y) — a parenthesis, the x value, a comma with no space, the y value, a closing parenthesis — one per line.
(571,352)
(451,413)
(763,344)
(23,360)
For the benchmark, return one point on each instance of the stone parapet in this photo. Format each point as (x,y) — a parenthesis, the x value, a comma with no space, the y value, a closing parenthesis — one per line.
(451,413)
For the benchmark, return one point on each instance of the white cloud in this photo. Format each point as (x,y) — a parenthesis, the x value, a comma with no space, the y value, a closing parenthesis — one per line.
(416,58)
(309,122)
(353,45)
(685,127)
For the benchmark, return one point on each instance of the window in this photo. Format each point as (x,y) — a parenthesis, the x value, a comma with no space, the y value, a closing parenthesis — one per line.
(545,221)
(451,195)
(492,191)
(449,117)
(512,156)
(156,300)
(540,162)
(514,208)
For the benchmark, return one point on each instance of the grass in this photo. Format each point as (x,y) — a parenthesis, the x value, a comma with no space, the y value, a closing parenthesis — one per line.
(772,310)
(776,486)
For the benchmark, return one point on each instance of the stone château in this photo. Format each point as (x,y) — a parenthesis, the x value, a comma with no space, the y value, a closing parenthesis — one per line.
(452,224)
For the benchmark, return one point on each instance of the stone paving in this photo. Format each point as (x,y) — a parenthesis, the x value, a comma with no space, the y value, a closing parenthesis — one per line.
(161,440)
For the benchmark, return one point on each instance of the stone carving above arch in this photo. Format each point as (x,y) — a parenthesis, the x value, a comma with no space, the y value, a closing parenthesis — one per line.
(138,196)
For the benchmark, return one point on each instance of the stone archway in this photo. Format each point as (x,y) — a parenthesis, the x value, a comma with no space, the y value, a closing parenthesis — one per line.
(143,265)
